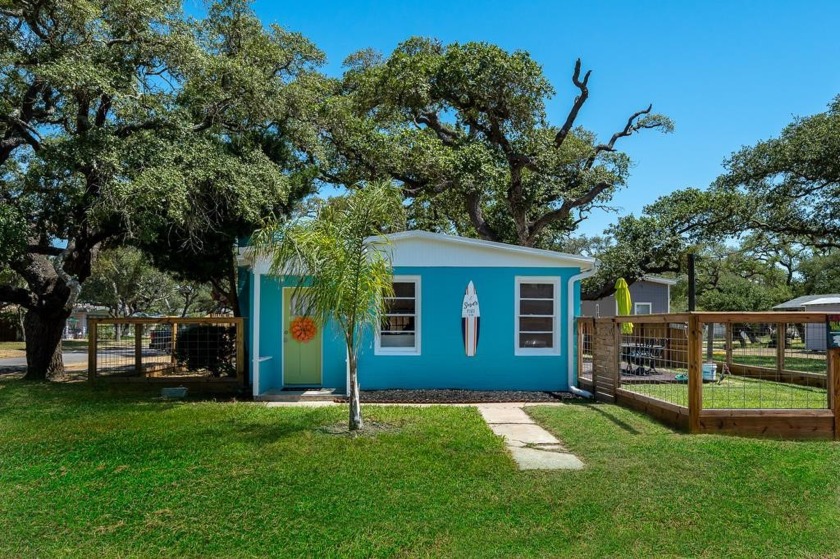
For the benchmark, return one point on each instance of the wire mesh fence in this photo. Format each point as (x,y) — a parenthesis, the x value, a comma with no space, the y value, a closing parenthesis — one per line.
(168,348)
(745,365)
(764,365)
(585,342)
(653,360)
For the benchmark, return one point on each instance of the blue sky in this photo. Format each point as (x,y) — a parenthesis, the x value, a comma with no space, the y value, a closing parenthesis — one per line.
(728,73)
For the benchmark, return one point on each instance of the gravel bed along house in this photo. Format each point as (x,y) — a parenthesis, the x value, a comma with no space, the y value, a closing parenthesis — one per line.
(458,396)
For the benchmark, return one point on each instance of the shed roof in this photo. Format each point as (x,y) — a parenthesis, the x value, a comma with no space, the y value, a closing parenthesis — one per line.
(657,279)
(805,300)
(823,301)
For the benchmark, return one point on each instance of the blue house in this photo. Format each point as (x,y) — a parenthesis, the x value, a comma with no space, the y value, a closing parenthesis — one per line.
(466,313)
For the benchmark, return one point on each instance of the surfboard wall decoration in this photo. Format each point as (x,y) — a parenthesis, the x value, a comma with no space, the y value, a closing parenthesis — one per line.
(470,320)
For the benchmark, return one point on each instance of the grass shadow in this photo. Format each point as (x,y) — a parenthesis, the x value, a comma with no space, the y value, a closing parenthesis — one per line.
(602,410)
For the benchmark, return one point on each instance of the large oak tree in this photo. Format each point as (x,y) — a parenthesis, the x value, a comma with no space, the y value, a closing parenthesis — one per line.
(463,129)
(126,121)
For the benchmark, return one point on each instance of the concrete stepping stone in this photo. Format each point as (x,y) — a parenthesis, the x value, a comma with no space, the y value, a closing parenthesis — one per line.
(535,459)
(506,413)
(531,446)
(526,433)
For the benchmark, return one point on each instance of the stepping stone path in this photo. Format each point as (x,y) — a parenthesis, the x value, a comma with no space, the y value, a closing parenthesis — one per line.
(532,447)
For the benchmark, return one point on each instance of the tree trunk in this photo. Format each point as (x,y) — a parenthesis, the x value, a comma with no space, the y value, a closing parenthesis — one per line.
(43,344)
(21,325)
(355,403)
(233,294)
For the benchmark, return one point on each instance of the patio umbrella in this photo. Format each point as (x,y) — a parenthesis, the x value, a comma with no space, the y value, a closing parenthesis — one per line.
(622,297)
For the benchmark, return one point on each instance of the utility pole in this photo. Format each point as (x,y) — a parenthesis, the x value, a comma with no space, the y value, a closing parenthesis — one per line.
(692,283)
(692,306)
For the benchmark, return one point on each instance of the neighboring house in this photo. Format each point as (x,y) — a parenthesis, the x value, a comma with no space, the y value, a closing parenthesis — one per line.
(526,301)
(650,295)
(76,325)
(815,334)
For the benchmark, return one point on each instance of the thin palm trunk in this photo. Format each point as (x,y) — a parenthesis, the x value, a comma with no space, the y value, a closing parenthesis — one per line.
(355,402)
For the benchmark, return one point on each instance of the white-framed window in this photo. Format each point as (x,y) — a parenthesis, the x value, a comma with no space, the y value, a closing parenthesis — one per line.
(642,308)
(399,333)
(537,311)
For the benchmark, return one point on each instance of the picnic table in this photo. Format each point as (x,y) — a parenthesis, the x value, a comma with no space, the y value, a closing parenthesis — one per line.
(641,357)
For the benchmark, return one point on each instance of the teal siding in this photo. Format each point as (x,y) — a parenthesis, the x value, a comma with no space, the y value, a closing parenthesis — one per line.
(271,296)
(442,362)
(243,292)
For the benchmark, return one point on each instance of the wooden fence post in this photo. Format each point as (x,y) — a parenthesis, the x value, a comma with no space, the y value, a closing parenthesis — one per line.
(695,373)
(240,350)
(92,346)
(728,345)
(173,342)
(834,388)
(617,356)
(781,331)
(138,349)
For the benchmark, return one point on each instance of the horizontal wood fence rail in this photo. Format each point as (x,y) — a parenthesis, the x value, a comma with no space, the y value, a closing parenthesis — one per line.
(205,353)
(751,374)
(169,320)
(719,317)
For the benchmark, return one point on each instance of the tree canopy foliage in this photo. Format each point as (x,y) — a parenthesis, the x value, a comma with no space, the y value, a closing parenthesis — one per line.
(791,184)
(124,280)
(463,129)
(127,120)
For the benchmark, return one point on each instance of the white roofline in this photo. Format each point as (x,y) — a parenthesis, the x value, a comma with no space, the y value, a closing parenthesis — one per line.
(822,301)
(247,256)
(585,262)
(656,279)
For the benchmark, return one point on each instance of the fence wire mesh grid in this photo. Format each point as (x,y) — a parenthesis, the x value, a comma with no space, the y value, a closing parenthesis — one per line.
(653,360)
(745,366)
(585,334)
(167,350)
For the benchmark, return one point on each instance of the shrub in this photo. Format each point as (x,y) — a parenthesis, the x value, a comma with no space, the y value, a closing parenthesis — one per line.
(207,347)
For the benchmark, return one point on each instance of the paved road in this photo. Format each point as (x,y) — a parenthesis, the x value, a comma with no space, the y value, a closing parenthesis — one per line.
(70,358)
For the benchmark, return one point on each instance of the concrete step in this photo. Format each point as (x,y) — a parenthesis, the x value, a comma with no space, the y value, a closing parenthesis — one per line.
(307,395)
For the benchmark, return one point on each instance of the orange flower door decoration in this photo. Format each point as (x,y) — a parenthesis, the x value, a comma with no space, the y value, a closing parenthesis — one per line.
(303,329)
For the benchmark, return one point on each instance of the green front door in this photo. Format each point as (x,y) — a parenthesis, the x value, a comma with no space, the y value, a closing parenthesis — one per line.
(301,356)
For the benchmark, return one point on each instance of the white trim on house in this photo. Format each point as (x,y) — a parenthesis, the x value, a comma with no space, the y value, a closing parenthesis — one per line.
(416,350)
(247,257)
(534,351)
(255,335)
(425,249)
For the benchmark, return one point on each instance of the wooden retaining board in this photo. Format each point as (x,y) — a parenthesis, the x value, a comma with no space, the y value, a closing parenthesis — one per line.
(670,414)
(787,424)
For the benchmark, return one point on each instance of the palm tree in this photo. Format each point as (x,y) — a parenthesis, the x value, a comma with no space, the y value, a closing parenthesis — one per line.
(339,257)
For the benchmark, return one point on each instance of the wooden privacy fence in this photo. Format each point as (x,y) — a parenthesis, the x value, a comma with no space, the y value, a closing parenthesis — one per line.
(740,373)
(206,353)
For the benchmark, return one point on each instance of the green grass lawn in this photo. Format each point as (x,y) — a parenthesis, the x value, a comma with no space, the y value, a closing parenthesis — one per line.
(802,364)
(740,393)
(88,473)
(12,349)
